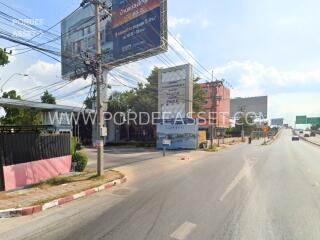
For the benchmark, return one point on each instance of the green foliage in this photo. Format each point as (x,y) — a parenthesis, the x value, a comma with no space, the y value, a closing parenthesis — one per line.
(78,146)
(145,97)
(245,123)
(121,102)
(73,145)
(80,159)
(88,103)
(48,98)
(212,148)
(19,116)
(55,181)
(4,59)
(198,96)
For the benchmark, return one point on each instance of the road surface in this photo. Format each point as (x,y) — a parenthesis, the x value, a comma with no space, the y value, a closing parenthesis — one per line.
(244,192)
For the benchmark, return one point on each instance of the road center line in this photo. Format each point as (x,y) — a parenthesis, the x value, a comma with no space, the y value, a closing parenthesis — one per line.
(183,231)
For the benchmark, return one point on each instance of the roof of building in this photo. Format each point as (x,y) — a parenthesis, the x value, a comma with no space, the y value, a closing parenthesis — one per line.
(6,102)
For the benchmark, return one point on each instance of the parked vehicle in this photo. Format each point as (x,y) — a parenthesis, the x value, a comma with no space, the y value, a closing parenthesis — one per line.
(306,135)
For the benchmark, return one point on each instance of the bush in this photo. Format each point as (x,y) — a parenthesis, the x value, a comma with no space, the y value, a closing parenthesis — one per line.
(73,144)
(80,161)
(78,146)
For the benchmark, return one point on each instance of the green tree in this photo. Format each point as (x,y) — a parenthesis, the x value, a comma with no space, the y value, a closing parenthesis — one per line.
(88,102)
(4,59)
(144,98)
(19,116)
(246,123)
(13,115)
(121,101)
(198,96)
(146,95)
(48,98)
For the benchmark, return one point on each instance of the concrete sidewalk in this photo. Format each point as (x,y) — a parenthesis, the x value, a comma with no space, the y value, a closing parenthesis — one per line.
(42,193)
(122,156)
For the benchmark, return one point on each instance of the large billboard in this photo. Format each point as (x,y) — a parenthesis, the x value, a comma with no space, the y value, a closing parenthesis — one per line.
(277,122)
(175,94)
(257,105)
(313,120)
(182,136)
(137,30)
(301,119)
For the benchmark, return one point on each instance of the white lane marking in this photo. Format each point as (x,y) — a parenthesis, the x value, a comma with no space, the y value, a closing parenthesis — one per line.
(183,231)
(248,165)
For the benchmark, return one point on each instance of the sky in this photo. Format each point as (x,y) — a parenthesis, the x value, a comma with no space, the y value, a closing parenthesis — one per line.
(264,47)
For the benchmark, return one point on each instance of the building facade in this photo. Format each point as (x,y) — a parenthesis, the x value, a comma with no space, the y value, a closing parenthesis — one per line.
(217,105)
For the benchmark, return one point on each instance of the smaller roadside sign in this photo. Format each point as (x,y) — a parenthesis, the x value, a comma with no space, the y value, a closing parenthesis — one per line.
(166,142)
(202,136)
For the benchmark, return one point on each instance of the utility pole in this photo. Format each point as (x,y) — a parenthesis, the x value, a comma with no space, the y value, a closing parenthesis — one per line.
(100,118)
(213,109)
(214,86)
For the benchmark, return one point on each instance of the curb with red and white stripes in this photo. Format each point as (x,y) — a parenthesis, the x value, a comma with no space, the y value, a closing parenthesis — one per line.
(18,212)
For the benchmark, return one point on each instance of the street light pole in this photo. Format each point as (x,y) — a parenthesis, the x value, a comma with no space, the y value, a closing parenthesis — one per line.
(15,74)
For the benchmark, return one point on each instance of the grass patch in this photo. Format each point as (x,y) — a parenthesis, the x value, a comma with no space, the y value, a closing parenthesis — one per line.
(98,181)
(75,184)
(213,148)
(96,177)
(55,181)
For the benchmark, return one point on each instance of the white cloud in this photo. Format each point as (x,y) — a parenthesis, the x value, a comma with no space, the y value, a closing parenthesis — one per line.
(174,21)
(289,105)
(251,78)
(181,54)
(290,93)
(204,23)
(42,74)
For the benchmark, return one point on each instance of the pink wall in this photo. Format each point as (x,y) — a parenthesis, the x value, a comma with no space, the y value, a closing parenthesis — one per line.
(223,105)
(23,174)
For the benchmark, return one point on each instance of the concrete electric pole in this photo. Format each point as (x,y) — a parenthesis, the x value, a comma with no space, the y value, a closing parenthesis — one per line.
(100,118)
(101,130)
(214,107)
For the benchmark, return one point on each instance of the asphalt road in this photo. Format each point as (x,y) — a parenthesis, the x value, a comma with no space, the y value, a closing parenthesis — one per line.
(244,192)
(117,157)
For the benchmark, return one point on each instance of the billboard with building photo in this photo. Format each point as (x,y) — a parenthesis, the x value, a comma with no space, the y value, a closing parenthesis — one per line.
(137,30)
(175,94)
(277,122)
(257,105)
(182,136)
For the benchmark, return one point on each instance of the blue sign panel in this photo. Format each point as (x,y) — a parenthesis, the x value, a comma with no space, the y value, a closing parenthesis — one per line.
(136,27)
(182,136)
(137,30)
(138,35)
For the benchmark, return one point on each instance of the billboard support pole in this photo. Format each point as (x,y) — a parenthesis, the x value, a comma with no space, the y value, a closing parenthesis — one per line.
(100,125)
